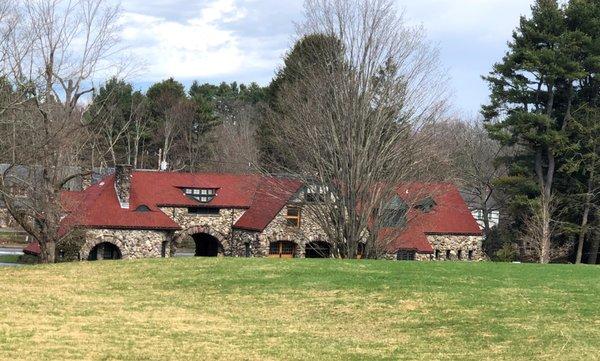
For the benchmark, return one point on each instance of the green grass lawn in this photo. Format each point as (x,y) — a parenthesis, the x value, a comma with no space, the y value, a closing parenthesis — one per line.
(258,309)
(9,258)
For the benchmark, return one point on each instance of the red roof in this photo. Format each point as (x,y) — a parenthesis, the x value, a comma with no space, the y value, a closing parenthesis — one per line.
(32,249)
(98,206)
(450,215)
(262,197)
(270,197)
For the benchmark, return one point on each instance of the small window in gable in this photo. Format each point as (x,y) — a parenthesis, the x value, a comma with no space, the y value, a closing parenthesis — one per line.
(203,195)
(142,208)
(293,216)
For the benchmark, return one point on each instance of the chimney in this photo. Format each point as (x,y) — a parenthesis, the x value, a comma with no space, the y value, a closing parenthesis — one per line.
(123,184)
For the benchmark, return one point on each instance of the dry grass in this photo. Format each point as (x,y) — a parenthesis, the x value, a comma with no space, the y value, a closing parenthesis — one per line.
(256,309)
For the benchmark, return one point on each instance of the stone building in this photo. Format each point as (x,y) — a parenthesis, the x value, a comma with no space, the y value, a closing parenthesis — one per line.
(141,214)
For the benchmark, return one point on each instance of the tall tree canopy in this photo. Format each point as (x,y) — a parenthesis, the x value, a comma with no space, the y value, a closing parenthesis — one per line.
(537,96)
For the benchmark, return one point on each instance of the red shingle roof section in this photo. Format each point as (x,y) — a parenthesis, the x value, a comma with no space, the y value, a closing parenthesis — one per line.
(450,216)
(270,197)
(261,196)
(98,206)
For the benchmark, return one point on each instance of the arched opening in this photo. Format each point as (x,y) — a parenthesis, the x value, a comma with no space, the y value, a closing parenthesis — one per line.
(360,251)
(317,249)
(104,250)
(282,249)
(206,245)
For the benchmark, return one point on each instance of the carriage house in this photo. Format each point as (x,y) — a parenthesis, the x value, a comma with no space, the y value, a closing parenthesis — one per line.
(141,214)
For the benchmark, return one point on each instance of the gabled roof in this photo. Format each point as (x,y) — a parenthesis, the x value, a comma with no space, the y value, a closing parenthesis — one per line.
(270,197)
(450,216)
(98,206)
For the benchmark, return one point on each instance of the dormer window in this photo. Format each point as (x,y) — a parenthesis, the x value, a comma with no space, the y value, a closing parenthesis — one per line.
(202,195)
(142,208)
(426,205)
(393,213)
(315,194)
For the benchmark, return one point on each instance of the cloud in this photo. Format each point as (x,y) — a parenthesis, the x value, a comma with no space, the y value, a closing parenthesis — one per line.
(197,46)
(244,40)
(484,20)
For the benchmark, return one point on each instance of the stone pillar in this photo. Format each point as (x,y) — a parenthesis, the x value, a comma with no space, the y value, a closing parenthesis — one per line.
(123,175)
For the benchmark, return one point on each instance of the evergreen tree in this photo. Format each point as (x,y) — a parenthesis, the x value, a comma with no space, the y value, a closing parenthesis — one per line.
(532,96)
(305,54)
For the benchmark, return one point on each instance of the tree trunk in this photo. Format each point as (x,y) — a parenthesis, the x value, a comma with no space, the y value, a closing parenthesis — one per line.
(546,234)
(486,220)
(545,253)
(47,251)
(593,258)
(584,221)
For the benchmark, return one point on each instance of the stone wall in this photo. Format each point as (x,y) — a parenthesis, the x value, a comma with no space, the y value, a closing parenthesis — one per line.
(278,230)
(217,225)
(132,243)
(234,242)
(239,243)
(456,243)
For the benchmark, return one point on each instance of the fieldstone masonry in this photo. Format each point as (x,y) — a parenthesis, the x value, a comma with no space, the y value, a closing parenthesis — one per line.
(240,243)
(132,243)
(457,244)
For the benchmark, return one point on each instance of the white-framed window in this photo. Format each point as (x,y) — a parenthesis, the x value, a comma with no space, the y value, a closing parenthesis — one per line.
(202,195)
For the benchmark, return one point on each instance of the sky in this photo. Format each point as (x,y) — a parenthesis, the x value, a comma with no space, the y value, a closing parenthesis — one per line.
(245,40)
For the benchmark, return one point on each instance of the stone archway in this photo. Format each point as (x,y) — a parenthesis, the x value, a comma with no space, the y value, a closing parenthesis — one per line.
(91,245)
(205,239)
(207,245)
(104,251)
(317,249)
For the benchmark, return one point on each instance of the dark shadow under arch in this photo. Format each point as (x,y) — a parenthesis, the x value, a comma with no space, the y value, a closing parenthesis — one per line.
(104,250)
(317,249)
(206,245)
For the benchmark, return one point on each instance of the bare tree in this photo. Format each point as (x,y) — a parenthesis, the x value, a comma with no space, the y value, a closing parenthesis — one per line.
(52,54)
(349,122)
(474,157)
(235,149)
(541,226)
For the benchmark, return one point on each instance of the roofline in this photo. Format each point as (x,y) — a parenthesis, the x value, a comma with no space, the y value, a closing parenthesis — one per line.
(453,233)
(134,228)
(242,228)
(200,205)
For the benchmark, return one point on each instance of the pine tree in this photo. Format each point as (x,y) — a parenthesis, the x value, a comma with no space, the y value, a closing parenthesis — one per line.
(532,95)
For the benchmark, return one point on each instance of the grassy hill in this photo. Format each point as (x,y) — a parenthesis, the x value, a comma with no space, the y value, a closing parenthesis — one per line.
(258,309)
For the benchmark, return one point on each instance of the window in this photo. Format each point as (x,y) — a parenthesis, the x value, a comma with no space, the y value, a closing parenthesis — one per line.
(293,216)
(248,253)
(393,213)
(447,254)
(459,254)
(315,194)
(204,211)
(142,208)
(406,255)
(470,255)
(437,254)
(360,251)
(282,249)
(203,195)
(426,205)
